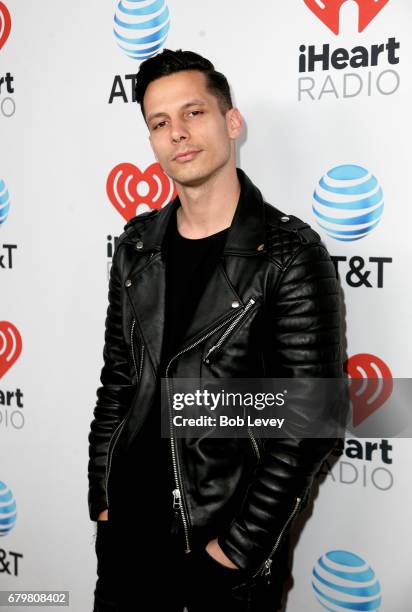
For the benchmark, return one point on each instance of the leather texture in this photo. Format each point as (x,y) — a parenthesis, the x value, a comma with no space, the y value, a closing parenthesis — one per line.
(242,493)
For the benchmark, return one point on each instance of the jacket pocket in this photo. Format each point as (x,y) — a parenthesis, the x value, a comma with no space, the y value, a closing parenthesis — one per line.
(233,326)
(137,357)
(265,568)
(110,449)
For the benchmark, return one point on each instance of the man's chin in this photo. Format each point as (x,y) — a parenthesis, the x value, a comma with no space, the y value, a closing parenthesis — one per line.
(191,179)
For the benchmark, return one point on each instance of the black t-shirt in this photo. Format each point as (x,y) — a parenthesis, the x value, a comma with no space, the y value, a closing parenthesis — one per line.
(189,265)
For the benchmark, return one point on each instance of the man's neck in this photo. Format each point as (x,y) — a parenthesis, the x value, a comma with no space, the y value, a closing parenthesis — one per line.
(208,208)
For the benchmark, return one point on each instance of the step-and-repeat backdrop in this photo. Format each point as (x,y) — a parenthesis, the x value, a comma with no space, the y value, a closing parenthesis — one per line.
(325,90)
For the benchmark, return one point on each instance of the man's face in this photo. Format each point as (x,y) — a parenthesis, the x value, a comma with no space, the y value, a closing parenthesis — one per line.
(189,135)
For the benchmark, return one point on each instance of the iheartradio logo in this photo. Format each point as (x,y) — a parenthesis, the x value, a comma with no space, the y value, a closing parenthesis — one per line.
(10,346)
(5,24)
(133,191)
(328,11)
(371,384)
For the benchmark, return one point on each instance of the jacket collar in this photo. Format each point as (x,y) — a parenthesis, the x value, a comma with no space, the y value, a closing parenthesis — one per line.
(247,231)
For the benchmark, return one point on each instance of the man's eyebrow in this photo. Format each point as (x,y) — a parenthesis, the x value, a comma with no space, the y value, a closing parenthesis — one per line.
(186,105)
(194,103)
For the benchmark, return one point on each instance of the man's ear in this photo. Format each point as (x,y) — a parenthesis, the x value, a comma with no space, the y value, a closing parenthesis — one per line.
(234,122)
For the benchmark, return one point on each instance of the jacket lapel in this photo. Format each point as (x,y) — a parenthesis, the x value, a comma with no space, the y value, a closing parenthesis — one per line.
(147,297)
(219,300)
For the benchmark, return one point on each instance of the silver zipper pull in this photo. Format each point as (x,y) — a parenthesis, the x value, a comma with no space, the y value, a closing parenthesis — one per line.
(268,567)
(176,499)
(212,348)
(176,511)
(267,570)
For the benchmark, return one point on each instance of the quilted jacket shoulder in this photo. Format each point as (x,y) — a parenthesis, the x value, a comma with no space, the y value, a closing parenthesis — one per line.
(286,235)
(135,225)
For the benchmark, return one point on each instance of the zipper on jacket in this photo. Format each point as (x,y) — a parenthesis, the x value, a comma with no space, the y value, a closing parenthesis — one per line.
(231,327)
(219,343)
(138,373)
(254,444)
(120,426)
(179,502)
(266,567)
(114,437)
(176,511)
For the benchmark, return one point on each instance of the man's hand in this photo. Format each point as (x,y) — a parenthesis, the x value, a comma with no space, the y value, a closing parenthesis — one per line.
(103,516)
(218,555)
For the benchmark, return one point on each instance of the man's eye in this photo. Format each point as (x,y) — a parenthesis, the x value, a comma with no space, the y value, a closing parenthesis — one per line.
(158,125)
(196,112)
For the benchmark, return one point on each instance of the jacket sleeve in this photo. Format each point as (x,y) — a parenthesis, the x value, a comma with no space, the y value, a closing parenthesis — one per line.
(113,396)
(303,341)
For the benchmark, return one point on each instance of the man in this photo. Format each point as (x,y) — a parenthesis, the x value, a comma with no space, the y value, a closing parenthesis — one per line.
(217,284)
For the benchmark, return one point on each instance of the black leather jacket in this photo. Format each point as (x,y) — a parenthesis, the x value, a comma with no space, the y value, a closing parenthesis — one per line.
(245,491)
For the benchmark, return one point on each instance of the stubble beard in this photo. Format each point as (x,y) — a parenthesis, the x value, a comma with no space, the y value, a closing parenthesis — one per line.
(200,176)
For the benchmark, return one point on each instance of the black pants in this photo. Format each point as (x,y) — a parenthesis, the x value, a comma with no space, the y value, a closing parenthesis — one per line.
(131,560)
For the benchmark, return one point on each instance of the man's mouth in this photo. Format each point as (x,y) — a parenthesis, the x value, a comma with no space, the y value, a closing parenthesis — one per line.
(186,156)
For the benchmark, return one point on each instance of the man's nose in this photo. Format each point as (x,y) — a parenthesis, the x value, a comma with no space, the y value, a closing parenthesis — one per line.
(179,131)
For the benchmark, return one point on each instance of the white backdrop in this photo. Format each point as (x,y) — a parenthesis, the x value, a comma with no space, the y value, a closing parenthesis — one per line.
(61,138)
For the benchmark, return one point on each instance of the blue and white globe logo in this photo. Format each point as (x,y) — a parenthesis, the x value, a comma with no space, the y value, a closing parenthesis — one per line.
(8,511)
(348,202)
(4,202)
(141,27)
(343,581)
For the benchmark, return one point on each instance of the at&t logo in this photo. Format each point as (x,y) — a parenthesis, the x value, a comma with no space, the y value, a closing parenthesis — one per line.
(342,580)
(6,259)
(348,205)
(9,559)
(348,202)
(4,202)
(8,510)
(141,27)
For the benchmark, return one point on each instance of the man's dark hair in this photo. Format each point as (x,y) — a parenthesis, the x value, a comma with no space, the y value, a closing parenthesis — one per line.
(169,62)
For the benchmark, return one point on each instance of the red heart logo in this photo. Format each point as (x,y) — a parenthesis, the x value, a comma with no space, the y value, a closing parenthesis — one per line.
(328,11)
(5,24)
(370,386)
(132,191)
(10,346)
